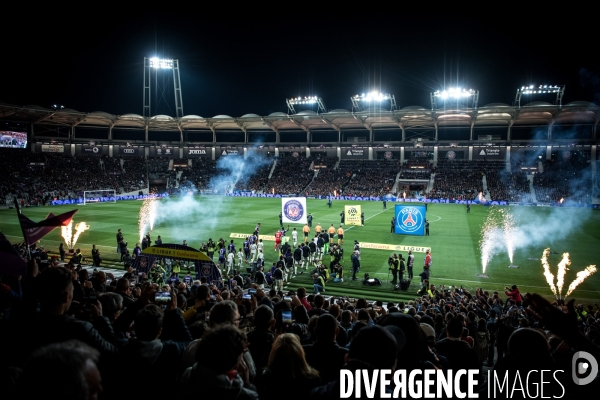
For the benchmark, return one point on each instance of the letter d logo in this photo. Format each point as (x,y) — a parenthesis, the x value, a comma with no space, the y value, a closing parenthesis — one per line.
(581,368)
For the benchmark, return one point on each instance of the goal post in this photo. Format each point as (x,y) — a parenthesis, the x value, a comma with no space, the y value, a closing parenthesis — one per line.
(99,196)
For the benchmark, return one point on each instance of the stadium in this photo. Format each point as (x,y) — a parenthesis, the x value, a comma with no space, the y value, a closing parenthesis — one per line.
(509,195)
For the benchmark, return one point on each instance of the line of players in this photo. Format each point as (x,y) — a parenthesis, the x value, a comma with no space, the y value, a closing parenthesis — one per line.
(295,257)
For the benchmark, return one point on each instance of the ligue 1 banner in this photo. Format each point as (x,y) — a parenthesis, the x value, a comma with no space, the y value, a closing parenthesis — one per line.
(353,215)
(410,219)
(293,210)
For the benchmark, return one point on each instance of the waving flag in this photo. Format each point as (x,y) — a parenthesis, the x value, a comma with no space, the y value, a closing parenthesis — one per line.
(34,231)
(12,263)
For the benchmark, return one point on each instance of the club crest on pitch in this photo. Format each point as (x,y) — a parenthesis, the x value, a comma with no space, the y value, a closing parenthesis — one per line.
(293,210)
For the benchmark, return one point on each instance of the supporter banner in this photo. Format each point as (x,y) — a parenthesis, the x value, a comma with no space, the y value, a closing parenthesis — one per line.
(294,210)
(129,151)
(410,219)
(355,153)
(353,215)
(91,149)
(53,148)
(196,152)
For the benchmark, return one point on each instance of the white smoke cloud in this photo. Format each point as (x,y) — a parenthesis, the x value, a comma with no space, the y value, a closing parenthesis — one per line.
(194,218)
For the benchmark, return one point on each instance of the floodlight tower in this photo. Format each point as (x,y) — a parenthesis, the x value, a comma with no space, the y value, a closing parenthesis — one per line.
(541,89)
(372,98)
(309,100)
(158,64)
(465,97)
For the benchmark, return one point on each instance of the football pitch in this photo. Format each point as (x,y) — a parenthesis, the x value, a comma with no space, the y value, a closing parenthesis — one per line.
(455,240)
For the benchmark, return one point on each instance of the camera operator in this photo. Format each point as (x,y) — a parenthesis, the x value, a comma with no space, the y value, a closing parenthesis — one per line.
(338,270)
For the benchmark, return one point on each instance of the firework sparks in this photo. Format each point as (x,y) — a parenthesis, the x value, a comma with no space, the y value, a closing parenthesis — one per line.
(147,216)
(71,238)
(508,225)
(581,276)
(491,236)
(562,270)
(547,273)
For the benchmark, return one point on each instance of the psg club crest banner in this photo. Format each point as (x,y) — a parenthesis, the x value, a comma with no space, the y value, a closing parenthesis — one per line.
(410,220)
(293,210)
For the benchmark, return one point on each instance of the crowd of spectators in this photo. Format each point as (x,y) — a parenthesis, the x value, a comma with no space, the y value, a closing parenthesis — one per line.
(256,175)
(508,186)
(65,331)
(370,177)
(329,179)
(291,175)
(457,179)
(568,180)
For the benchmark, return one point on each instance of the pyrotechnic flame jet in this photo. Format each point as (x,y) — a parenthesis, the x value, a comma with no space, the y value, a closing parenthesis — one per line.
(549,276)
(562,270)
(581,276)
(79,229)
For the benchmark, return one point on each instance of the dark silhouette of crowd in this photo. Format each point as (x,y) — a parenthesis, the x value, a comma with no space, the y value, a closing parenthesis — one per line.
(64,331)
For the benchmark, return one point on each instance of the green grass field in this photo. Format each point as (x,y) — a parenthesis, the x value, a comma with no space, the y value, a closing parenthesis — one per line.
(454,239)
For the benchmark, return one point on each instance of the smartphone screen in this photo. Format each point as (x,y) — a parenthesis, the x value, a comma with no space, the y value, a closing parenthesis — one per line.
(287,298)
(252,291)
(246,296)
(162,297)
(286,316)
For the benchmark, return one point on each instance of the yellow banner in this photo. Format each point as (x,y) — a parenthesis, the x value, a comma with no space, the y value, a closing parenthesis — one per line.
(352,215)
(245,235)
(174,253)
(363,245)
(394,247)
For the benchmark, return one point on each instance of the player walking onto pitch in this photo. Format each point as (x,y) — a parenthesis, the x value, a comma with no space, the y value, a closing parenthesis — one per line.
(306,231)
(295,238)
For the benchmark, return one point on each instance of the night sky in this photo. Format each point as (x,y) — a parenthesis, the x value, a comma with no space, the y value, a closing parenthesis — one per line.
(93,60)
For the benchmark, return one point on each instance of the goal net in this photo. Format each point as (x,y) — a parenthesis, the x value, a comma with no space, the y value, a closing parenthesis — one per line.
(99,196)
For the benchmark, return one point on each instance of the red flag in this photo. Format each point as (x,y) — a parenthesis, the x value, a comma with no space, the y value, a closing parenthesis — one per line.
(34,231)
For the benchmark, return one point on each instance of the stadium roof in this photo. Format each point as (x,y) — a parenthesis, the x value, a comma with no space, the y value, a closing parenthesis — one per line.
(494,114)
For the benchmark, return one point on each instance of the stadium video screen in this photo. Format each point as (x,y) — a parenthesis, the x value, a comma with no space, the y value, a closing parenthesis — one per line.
(14,140)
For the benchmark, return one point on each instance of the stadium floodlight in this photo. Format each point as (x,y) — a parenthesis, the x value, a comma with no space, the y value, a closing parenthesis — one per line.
(372,98)
(306,100)
(152,66)
(559,90)
(457,95)
(156,62)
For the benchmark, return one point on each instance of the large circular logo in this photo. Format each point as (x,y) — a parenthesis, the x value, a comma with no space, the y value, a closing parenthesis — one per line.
(352,211)
(293,210)
(451,155)
(95,149)
(409,219)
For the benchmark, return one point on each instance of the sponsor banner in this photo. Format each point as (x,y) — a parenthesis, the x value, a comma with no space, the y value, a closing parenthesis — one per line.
(294,210)
(174,253)
(129,151)
(196,152)
(363,245)
(355,153)
(91,149)
(394,247)
(488,152)
(165,151)
(53,148)
(352,215)
(230,152)
(410,219)
(268,238)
